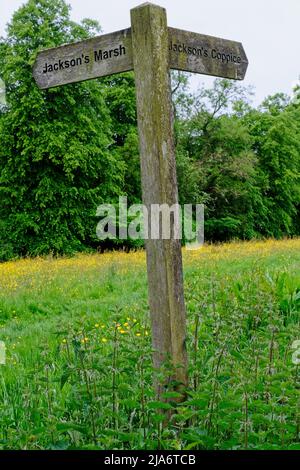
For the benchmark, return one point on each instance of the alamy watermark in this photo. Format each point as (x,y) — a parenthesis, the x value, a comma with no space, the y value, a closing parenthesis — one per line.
(156,222)
(2,353)
(296,354)
(2,93)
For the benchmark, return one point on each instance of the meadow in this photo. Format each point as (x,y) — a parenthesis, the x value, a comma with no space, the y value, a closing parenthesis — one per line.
(78,371)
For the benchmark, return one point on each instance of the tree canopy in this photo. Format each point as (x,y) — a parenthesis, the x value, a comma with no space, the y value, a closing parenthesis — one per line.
(66,150)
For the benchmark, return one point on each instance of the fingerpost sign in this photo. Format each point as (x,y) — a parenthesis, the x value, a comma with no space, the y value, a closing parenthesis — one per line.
(151,49)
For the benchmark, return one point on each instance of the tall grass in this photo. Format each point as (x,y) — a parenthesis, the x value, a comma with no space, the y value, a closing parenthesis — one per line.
(79,374)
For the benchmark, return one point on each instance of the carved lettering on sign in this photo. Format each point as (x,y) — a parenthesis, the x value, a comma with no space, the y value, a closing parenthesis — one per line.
(112,53)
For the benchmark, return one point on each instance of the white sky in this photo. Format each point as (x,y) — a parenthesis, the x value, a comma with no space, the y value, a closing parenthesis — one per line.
(268,29)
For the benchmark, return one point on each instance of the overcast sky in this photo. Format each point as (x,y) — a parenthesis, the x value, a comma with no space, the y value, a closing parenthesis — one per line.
(268,29)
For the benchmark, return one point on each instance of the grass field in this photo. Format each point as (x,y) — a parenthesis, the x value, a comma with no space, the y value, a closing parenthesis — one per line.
(78,367)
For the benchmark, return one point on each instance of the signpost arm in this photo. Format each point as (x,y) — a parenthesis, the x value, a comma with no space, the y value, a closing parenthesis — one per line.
(159,186)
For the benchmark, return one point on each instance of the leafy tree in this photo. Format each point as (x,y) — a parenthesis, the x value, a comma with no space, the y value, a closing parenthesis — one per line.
(56,164)
(222,161)
(245,162)
(121,102)
(276,143)
(275,104)
(66,150)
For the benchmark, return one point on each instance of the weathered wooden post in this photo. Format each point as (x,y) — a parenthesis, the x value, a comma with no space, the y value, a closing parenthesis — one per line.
(151,49)
(151,60)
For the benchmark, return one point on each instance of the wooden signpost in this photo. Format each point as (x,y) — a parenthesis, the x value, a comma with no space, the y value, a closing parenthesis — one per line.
(151,49)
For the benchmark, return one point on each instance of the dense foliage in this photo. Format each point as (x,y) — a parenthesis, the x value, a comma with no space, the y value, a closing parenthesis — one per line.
(56,157)
(66,150)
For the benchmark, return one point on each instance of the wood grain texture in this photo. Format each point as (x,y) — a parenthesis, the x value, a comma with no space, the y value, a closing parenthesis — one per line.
(207,55)
(85,60)
(159,184)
